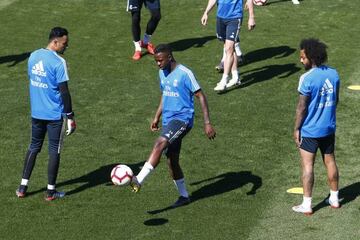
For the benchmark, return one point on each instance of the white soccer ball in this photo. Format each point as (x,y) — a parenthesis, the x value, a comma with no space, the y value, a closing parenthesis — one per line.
(121,175)
(259,2)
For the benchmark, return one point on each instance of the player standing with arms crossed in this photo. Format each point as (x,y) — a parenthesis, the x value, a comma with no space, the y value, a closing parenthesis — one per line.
(315,120)
(178,85)
(51,108)
(228,22)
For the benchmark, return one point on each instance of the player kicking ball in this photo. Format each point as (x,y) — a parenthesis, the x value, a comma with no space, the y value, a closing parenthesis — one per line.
(178,86)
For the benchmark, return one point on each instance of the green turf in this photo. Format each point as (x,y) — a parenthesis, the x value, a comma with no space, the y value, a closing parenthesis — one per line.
(238,182)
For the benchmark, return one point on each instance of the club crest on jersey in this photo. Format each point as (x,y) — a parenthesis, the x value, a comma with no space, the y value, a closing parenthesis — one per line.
(175,83)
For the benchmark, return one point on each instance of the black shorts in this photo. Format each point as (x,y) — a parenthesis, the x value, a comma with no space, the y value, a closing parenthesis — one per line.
(326,144)
(228,29)
(174,132)
(136,5)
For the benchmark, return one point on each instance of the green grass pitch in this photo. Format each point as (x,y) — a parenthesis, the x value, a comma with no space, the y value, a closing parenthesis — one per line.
(238,182)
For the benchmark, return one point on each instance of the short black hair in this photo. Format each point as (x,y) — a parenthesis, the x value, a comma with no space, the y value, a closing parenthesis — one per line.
(315,50)
(57,32)
(163,48)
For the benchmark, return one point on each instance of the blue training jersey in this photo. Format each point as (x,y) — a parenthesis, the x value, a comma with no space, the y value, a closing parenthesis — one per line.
(230,9)
(46,69)
(321,85)
(178,89)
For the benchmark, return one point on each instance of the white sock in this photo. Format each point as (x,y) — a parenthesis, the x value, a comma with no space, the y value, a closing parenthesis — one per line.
(334,196)
(307,202)
(145,171)
(137,46)
(235,74)
(24,182)
(223,56)
(51,187)
(147,38)
(224,78)
(180,185)
(237,49)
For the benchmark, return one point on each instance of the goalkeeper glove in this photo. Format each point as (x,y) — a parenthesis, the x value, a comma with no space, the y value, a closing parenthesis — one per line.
(70,122)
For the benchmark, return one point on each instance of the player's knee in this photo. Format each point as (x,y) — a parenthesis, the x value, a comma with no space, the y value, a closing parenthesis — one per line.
(160,144)
(136,17)
(35,148)
(155,16)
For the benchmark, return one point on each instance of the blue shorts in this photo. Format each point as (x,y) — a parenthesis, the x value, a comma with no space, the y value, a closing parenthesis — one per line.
(136,5)
(228,29)
(174,133)
(326,144)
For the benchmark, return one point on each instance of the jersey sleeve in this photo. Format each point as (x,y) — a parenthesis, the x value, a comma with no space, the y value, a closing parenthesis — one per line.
(61,72)
(304,86)
(191,82)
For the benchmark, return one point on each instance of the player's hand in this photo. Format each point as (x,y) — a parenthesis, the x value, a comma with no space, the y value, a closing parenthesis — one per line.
(71,126)
(210,131)
(297,138)
(155,125)
(251,23)
(246,6)
(204,19)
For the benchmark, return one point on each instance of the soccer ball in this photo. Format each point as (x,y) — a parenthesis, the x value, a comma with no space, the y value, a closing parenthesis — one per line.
(121,175)
(259,2)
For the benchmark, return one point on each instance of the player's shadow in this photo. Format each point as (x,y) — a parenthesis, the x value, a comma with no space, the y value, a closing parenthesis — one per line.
(269,52)
(184,44)
(92,179)
(14,59)
(221,184)
(263,74)
(279,1)
(346,194)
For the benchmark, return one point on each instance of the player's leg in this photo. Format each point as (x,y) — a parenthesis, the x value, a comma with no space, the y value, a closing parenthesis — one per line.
(134,6)
(327,147)
(56,131)
(233,31)
(160,144)
(173,160)
(308,148)
(155,16)
(38,131)
(221,35)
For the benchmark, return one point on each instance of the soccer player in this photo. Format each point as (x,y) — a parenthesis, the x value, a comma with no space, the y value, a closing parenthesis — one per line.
(51,108)
(178,85)
(315,120)
(239,57)
(228,22)
(134,6)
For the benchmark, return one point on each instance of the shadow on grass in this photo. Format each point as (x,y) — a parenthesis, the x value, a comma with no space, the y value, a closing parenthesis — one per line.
(14,59)
(264,74)
(346,194)
(92,179)
(184,44)
(269,52)
(222,183)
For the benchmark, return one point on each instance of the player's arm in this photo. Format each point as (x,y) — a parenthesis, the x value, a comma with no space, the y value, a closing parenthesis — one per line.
(250,7)
(209,7)
(209,130)
(155,123)
(69,114)
(301,111)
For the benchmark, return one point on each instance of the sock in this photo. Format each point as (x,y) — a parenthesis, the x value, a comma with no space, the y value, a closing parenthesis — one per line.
(334,196)
(224,78)
(137,46)
(307,202)
(180,185)
(237,49)
(235,74)
(223,56)
(147,38)
(51,187)
(24,182)
(145,171)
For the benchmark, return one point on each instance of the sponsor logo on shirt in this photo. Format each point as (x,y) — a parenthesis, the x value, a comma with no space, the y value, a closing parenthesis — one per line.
(37,83)
(38,69)
(327,88)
